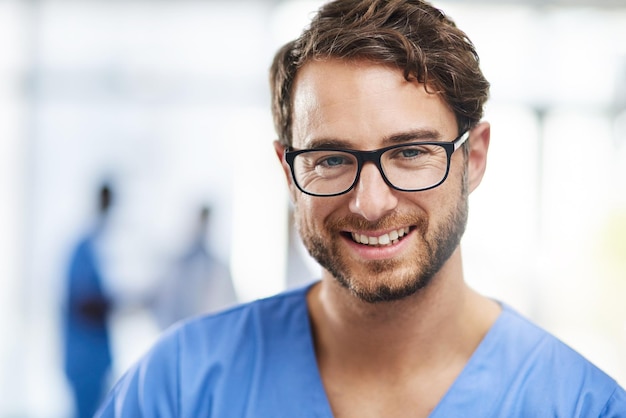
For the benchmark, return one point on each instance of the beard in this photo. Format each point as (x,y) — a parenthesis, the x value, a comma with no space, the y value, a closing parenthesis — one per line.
(392,279)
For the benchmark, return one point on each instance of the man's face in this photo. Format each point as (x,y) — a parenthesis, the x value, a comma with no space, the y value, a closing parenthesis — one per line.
(361,106)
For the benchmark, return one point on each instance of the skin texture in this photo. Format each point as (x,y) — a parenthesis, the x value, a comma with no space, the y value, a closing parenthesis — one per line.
(405,306)
(370,108)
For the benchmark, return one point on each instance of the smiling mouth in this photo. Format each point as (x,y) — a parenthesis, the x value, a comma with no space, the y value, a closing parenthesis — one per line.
(390,238)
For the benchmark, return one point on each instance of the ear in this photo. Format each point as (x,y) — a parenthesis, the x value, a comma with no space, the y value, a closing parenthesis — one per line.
(477,159)
(280,153)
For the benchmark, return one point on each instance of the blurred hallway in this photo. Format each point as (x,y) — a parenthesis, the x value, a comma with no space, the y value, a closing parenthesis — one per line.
(171,99)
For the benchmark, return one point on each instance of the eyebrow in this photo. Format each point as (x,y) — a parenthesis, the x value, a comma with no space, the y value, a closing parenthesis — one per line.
(411,136)
(398,138)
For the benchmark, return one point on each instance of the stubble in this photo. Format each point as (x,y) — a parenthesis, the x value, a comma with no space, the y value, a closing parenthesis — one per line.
(390,280)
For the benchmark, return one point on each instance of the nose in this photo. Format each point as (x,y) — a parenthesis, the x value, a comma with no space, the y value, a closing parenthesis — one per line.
(372,198)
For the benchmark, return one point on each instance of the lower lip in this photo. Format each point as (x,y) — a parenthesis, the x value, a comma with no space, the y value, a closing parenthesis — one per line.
(369,252)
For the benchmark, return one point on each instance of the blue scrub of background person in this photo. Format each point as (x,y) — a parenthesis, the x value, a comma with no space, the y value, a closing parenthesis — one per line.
(87,353)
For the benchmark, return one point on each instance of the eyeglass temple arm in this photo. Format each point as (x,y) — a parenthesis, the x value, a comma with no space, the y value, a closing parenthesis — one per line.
(461,140)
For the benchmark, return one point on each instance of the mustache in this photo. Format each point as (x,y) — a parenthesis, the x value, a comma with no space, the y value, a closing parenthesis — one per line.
(358,223)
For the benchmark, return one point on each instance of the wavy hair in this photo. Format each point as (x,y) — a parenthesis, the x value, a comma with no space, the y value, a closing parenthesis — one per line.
(411,35)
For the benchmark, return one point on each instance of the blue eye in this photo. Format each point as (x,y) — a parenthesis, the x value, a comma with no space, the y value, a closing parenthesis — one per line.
(410,152)
(333,161)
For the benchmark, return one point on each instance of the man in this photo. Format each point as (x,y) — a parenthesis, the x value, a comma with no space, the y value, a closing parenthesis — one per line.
(198,282)
(378,109)
(87,347)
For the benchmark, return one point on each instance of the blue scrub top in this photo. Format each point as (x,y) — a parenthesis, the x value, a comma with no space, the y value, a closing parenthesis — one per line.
(87,353)
(257,360)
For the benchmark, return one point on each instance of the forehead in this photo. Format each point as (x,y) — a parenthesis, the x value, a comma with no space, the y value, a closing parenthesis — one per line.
(361,103)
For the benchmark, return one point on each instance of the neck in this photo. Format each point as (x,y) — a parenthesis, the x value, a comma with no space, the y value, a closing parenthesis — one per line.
(443,321)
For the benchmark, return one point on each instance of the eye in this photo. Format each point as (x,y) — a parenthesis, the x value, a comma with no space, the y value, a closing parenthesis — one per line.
(407,153)
(410,152)
(333,161)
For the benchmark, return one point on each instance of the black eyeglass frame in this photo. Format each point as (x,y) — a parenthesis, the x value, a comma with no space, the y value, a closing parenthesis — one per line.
(374,156)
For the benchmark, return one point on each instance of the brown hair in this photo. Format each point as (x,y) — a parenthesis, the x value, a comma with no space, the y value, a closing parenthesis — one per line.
(408,34)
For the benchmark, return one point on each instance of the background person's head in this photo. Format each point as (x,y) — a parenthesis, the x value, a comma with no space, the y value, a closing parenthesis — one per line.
(105,198)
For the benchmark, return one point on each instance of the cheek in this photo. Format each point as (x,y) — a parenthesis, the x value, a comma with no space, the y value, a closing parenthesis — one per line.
(312,212)
(437,203)
(456,182)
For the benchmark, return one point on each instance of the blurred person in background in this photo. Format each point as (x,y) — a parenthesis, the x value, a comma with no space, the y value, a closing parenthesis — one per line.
(378,107)
(198,282)
(87,350)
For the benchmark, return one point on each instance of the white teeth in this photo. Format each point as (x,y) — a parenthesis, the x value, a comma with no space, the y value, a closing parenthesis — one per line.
(385,239)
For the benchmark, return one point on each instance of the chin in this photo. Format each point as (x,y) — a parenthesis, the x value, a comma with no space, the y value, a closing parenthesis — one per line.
(385,290)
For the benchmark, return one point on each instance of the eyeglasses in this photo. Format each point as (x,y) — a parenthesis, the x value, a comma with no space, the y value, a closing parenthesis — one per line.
(409,167)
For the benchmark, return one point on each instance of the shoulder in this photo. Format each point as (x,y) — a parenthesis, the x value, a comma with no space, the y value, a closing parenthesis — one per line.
(211,335)
(550,374)
(207,354)
(536,344)
(260,313)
